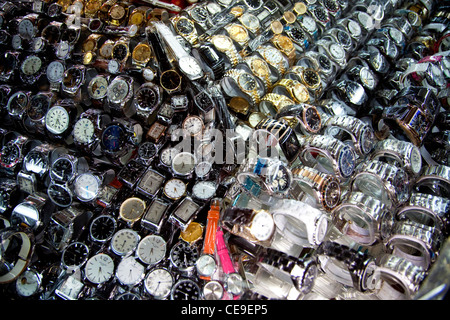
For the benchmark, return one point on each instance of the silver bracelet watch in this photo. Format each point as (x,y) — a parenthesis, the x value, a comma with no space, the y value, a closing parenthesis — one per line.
(385,182)
(362,135)
(363,218)
(414,242)
(402,153)
(434,180)
(426,209)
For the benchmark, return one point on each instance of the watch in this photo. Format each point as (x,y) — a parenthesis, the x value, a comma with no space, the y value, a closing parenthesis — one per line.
(184,213)
(17,104)
(261,69)
(333,50)
(234,282)
(158,283)
(324,188)
(155,215)
(131,172)
(59,119)
(87,130)
(286,46)
(183,164)
(425,209)
(147,98)
(124,242)
(60,194)
(151,249)
(358,70)
(13,265)
(38,160)
(185,289)
(306,117)
(120,93)
(99,268)
(86,186)
(141,55)
(274,58)
(102,228)
(333,155)
(363,218)
(130,272)
(74,256)
(132,209)
(401,153)
(183,257)
(206,264)
(362,135)
(15,147)
(29,283)
(66,166)
(348,266)
(225,45)
(246,83)
(185,27)
(37,109)
(150,183)
(309,77)
(435,180)
(174,189)
(73,79)
(415,242)
(296,90)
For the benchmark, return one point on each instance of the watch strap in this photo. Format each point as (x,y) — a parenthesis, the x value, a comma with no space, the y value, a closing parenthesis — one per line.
(209,245)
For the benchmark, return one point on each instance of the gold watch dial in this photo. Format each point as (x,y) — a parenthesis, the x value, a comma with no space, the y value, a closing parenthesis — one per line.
(132,209)
(221,42)
(300,93)
(193,232)
(137,18)
(92,6)
(238,33)
(142,52)
(255,117)
(117,12)
(89,45)
(259,67)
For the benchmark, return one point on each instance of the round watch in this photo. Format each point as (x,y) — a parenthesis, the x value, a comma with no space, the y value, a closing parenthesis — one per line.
(132,209)
(158,283)
(124,242)
(99,268)
(130,272)
(151,249)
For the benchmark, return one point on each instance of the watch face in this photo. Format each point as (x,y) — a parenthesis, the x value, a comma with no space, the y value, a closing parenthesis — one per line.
(170,80)
(331,194)
(250,21)
(38,108)
(130,272)
(344,38)
(324,62)
(147,98)
(99,268)
(203,169)
(184,26)
(117,12)
(151,182)
(60,195)
(190,66)
(142,53)
(84,131)
(17,103)
(132,209)
(354,28)
(321,14)
(57,120)
(28,283)
(262,225)
(86,187)
(185,290)
(117,91)
(184,256)
(26,29)
(204,190)
(186,210)
(367,140)
(155,212)
(151,249)
(10,155)
(36,162)
(337,52)
(193,125)
(278,178)
(254,4)
(213,290)
(309,278)
(199,14)
(308,24)
(102,228)
(75,255)
(31,65)
(235,284)
(416,160)
(55,71)
(347,161)
(106,50)
(159,283)
(147,150)
(204,101)
(221,42)
(98,87)
(247,82)
(113,138)
(167,156)
(62,50)
(312,119)
(183,163)
(120,51)
(331,5)
(367,78)
(206,265)
(124,242)
(311,78)
(62,170)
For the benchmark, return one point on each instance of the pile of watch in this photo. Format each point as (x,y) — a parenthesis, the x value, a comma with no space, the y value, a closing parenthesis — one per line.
(223,149)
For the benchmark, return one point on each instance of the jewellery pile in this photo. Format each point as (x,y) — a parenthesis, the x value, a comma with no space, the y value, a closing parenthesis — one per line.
(224,149)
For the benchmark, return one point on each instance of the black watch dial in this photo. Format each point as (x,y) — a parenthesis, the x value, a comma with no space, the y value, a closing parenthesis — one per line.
(321,14)
(312,119)
(331,5)
(184,256)
(185,290)
(60,195)
(311,78)
(18,103)
(324,62)
(10,155)
(170,80)
(344,38)
(62,170)
(254,4)
(38,107)
(75,255)
(184,26)
(120,52)
(147,98)
(297,35)
(147,150)
(102,228)
(204,101)
(72,77)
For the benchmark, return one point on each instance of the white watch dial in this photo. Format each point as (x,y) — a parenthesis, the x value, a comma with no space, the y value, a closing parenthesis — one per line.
(193,125)
(31,65)
(124,242)
(26,29)
(337,51)
(57,120)
(167,156)
(151,249)
(117,91)
(28,283)
(190,66)
(262,225)
(98,87)
(130,272)
(99,268)
(55,71)
(84,131)
(204,190)
(206,265)
(183,163)
(174,189)
(416,160)
(86,186)
(159,283)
